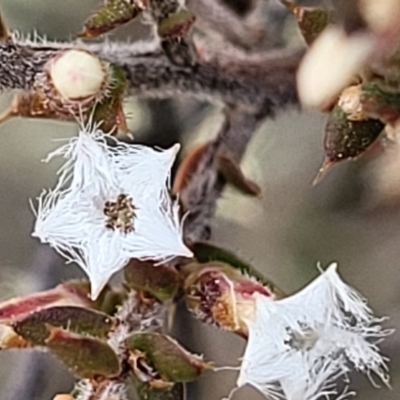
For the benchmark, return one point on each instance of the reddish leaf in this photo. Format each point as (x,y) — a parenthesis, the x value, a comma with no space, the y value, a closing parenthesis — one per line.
(233,174)
(161,281)
(170,360)
(188,167)
(34,327)
(70,293)
(176,25)
(85,357)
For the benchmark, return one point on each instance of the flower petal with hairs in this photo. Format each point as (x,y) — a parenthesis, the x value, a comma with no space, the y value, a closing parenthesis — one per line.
(299,346)
(111,204)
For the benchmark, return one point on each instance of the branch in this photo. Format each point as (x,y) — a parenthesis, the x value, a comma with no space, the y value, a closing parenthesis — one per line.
(199,196)
(254,87)
(261,83)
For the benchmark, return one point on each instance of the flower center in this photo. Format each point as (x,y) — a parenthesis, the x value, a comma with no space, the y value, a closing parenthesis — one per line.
(120,214)
(304,340)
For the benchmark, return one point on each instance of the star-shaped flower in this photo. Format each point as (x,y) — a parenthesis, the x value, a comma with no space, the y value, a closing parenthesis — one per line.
(300,345)
(111,204)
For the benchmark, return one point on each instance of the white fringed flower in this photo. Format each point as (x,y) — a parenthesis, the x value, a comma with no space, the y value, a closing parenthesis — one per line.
(300,345)
(111,204)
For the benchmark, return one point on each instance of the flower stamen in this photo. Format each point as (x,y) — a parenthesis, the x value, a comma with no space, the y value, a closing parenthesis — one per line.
(120,214)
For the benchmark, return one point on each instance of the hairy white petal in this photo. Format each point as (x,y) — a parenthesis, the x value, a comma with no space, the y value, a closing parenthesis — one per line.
(71,218)
(300,345)
(136,172)
(87,160)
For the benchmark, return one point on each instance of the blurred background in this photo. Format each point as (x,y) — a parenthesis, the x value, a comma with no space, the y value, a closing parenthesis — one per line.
(352,216)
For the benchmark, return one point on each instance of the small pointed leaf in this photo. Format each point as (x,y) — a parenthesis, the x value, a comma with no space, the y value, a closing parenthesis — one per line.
(86,357)
(311,20)
(233,174)
(111,15)
(71,293)
(205,252)
(347,139)
(176,25)
(34,327)
(160,281)
(169,359)
(146,392)
(109,112)
(380,102)
(188,167)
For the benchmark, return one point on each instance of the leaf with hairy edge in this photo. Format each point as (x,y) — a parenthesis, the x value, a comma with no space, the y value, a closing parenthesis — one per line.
(34,327)
(109,113)
(347,138)
(86,357)
(233,174)
(311,20)
(205,252)
(73,293)
(111,15)
(219,294)
(380,101)
(146,392)
(176,25)
(160,281)
(170,360)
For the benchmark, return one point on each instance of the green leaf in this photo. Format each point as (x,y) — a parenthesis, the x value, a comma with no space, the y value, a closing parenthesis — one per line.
(160,281)
(380,101)
(111,15)
(346,139)
(86,357)
(109,112)
(311,20)
(34,327)
(172,362)
(206,252)
(146,392)
(176,25)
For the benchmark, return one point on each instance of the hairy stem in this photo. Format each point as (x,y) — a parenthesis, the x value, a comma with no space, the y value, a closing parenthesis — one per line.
(263,83)
(200,195)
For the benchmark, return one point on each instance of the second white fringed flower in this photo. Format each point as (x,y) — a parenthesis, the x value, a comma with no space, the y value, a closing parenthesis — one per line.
(111,204)
(299,346)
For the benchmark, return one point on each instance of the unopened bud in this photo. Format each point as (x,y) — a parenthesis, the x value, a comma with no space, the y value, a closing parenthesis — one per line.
(77,74)
(220,294)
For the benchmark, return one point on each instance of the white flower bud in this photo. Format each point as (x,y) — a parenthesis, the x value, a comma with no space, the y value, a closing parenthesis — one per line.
(77,74)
